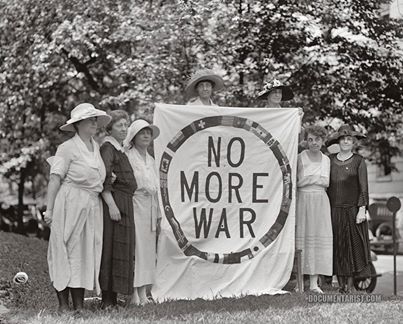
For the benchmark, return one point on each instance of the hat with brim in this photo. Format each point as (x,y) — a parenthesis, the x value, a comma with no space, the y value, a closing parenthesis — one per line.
(203,75)
(136,127)
(344,130)
(84,111)
(287,93)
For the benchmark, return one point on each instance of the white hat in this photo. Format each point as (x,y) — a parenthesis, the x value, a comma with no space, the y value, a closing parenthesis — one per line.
(137,126)
(84,111)
(203,75)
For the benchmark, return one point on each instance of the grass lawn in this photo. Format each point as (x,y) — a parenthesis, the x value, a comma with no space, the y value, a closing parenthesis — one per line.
(35,302)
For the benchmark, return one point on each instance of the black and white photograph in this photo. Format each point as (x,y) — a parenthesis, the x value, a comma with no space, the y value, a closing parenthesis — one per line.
(201,161)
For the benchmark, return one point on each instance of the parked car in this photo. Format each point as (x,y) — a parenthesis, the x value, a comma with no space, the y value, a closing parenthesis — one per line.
(381,225)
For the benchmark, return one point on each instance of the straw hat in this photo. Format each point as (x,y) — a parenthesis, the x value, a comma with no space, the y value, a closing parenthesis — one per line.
(344,130)
(84,111)
(203,75)
(287,93)
(137,126)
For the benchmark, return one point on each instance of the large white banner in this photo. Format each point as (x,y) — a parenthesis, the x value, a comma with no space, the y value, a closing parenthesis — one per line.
(227,198)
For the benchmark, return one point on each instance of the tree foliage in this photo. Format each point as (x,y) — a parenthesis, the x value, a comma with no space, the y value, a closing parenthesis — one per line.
(341,58)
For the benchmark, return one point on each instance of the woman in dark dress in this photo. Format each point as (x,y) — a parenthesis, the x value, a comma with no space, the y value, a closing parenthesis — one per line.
(275,92)
(117,265)
(348,194)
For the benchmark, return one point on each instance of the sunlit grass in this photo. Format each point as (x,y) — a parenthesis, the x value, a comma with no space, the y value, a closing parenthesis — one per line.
(35,302)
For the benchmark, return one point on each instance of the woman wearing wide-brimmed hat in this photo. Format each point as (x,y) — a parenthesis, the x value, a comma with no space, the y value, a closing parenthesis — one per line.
(117,265)
(74,208)
(348,194)
(145,205)
(201,86)
(274,92)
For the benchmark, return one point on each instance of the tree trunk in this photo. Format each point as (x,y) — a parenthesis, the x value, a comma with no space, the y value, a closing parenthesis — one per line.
(20,214)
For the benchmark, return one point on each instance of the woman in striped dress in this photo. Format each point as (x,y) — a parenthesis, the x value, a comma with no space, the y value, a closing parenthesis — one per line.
(348,194)
(117,265)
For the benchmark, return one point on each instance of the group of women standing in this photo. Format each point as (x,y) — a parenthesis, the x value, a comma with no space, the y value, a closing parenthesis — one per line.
(332,229)
(104,214)
(103,211)
(332,195)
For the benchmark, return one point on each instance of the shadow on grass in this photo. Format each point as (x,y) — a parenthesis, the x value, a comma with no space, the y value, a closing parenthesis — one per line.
(182,308)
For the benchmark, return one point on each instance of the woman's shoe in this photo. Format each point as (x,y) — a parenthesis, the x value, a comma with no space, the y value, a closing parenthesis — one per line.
(316,290)
(63,298)
(77,294)
(109,299)
(343,290)
(335,282)
(134,299)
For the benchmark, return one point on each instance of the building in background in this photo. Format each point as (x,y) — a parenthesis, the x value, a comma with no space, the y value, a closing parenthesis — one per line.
(382,183)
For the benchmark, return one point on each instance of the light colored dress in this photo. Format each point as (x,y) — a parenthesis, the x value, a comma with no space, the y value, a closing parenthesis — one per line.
(146,213)
(75,243)
(313,221)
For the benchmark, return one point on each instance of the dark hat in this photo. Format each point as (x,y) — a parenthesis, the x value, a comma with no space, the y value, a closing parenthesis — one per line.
(203,75)
(287,93)
(344,130)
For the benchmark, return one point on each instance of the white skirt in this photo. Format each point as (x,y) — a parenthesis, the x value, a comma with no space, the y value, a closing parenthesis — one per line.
(145,217)
(75,243)
(314,234)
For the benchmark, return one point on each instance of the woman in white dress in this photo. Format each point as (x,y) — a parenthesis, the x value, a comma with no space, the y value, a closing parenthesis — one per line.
(313,222)
(74,208)
(145,205)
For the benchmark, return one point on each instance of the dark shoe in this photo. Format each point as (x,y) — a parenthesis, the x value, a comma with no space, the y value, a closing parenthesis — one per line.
(345,290)
(77,294)
(109,299)
(63,298)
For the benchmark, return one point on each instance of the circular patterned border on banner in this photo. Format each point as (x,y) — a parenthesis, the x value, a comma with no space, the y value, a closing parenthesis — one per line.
(254,128)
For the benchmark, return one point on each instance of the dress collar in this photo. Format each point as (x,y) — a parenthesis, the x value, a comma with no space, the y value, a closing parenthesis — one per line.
(92,159)
(80,143)
(115,143)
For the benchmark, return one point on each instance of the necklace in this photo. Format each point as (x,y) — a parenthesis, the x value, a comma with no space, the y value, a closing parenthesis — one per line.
(344,158)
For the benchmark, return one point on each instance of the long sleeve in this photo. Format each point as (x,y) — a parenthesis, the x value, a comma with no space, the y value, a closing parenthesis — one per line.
(363,198)
(107,154)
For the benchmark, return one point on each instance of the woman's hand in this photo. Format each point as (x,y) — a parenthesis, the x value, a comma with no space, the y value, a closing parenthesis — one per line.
(114,213)
(113,178)
(48,216)
(361,217)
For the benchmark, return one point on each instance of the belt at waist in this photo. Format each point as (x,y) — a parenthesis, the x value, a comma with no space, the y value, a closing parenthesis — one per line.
(311,188)
(93,193)
(142,192)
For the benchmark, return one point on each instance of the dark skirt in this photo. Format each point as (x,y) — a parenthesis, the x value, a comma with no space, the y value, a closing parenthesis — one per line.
(351,252)
(117,264)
